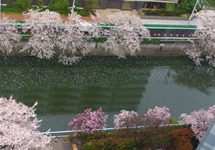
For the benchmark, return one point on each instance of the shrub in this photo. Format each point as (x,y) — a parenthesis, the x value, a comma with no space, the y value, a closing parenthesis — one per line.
(157,116)
(155,138)
(90,4)
(199,120)
(82,12)
(60,6)
(114,143)
(25,4)
(89,121)
(183,139)
(125,119)
(82,136)
(110,145)
(11,9)
(171,137)
(89,146)
(163,12)
(99,135)
(71,137)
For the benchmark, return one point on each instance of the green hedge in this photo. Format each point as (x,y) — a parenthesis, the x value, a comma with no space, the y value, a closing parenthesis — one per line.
(11,9)
(144,139)
(164,12)
(17,9)
(82,12)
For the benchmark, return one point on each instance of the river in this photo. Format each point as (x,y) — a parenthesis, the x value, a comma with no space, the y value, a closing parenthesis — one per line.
(135,83)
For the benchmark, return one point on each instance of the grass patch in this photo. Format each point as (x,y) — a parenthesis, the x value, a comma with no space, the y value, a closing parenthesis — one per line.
(11,9)
(18,10)
(82,12)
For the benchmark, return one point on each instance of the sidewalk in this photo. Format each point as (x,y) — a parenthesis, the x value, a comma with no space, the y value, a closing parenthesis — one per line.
(60,143)
(168,22)
(146,21)
(149,21)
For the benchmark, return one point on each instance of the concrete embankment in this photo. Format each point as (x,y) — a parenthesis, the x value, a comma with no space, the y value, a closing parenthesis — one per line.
(158,49)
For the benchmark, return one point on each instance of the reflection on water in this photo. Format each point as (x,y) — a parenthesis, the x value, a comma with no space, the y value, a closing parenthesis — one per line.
(135,83)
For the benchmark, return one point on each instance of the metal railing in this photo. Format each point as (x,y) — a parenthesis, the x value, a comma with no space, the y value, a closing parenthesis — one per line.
(68,132)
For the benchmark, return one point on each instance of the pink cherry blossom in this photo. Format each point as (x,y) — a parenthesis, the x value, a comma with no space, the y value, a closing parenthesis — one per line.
(199,120)
(19,127)
(157,116)
(44,27)
(126,37)
(204,45)
(125,119)
(89,121)
(9,37)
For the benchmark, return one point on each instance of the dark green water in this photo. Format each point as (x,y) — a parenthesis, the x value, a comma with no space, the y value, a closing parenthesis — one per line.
(135,83)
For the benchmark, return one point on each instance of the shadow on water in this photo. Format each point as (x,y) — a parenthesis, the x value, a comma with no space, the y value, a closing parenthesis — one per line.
(201,78)
(108,82)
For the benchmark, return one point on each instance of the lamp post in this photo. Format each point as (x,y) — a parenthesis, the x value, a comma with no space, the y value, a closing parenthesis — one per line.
(0,10)
(73,6)
(191,15)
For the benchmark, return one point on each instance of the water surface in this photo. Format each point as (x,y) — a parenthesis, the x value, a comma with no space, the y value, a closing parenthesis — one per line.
(135,83)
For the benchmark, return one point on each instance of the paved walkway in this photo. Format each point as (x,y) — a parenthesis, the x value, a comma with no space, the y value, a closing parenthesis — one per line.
(64,144)
(61,144)
(168,22)
(105,12)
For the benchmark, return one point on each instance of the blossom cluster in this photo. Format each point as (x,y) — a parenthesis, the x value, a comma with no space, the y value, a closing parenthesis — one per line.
(199,120)
(89,121)
(157,116)
(74,38)
(19,127)
(153,117)
(126,37)
(9,36)
(203,45)
(125,119)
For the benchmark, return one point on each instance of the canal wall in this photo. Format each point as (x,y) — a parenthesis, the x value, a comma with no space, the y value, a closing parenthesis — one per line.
(156,49)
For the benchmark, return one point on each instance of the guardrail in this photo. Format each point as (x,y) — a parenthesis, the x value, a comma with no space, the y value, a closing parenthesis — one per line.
(66,133)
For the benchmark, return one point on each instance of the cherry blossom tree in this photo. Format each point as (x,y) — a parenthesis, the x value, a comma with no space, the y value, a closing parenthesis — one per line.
(199,120)
(157,116)
(204,45)
(89,121)
(9,36)
(19,127)
(125,119)
(75,39)
(51,36)
(44,27)
(212,109)
(125,38)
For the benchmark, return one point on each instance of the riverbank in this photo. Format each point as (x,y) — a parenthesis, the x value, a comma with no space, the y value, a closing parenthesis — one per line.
(157,49)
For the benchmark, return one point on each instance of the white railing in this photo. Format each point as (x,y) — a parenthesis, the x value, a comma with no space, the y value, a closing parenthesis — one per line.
(67,132)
